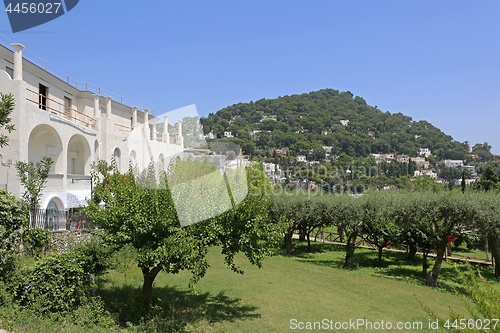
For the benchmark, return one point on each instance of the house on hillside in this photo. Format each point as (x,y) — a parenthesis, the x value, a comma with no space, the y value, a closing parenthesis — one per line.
(425,151)
(453,163)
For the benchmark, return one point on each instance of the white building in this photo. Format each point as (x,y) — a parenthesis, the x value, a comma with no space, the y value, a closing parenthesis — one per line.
(453,163)
(228,134)
(425,151)
(344,122)
(75,128)
(301,158)
(429,173)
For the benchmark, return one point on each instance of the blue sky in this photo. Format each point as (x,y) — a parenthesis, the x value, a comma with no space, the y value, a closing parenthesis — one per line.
(432,60)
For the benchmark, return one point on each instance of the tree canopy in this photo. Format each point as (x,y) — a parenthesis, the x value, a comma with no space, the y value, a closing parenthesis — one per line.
(146,218)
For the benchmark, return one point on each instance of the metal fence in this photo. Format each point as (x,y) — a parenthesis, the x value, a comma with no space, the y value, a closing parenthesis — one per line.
(54,220)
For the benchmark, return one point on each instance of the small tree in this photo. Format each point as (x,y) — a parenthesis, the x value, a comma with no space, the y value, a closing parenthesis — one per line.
(378,227)
(34,180)
(446,213)
(6,108)
(146,218)
(489,179)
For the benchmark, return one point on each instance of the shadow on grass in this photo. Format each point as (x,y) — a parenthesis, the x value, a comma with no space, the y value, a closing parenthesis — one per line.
(173,310)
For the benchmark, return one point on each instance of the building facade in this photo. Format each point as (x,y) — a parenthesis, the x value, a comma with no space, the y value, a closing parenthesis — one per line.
(75,128)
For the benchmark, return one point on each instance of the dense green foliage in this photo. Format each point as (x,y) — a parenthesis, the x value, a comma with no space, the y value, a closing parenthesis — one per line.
(306,122)
(56,283)
(36,241)
(6,107)
(426,220)
(13,215)
(139,210)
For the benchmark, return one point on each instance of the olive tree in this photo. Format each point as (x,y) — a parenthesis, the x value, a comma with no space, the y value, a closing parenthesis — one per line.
(487,205)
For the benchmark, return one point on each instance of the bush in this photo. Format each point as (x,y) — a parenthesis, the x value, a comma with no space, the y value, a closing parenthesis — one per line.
(96,255)
(57,283)
(36,241)
(13,214)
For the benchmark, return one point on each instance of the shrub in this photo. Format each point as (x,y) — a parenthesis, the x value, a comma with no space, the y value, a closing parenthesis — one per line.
(96,255)
(13,214)
(36,241)
(57,283)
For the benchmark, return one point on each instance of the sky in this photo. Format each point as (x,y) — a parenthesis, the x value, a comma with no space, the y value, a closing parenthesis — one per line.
(431,60)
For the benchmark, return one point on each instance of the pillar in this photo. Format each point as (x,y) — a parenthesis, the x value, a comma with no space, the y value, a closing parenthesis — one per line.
(18,61)
(97,111)
(166,136)
(108,107)
(181,139)
(155,135)
(134,116)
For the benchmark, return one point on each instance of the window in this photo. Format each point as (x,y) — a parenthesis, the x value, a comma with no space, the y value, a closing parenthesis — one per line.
(10,71)
(43,92)
(67,106)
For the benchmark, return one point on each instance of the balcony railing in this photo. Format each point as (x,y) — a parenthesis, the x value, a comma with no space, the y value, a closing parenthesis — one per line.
(124,128)
(68,111)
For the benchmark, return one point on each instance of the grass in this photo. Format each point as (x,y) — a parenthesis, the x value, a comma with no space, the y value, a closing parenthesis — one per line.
(307,287)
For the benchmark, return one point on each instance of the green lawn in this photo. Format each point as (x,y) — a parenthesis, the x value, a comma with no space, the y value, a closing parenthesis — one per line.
(307,287)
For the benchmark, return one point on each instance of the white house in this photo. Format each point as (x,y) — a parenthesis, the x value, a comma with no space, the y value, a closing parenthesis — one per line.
(429,173)
(301,158)
(75,128)
(425,151)
(344,122)
(453,163)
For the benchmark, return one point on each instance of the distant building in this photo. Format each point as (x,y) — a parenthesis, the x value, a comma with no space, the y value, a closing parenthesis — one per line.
(421,162)
(301,158)
(211,136)
(344,122)
(228,135)
(383,157)
(425,151)
(429,173)
(471,168)
(453,163)
(458,182)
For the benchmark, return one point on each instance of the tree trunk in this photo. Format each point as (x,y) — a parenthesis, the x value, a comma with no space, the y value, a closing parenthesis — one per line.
(309,241)
(495,252)
(412,251)
(288,240)
(149,276)
(425,266)
(350,247)
(302,234)
(432,276)
(380,249)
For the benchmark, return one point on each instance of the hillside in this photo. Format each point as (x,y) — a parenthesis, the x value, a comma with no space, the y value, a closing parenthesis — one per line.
(328,118)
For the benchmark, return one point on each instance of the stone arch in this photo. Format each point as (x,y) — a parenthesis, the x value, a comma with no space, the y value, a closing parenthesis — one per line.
(117,157)
(133,158)
(96,151)
(161,160)
(78,156)
(55,201)
(45,141)
(54,219)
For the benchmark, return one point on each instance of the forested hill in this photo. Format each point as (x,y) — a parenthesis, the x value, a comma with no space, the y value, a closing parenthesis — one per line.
(308,121)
